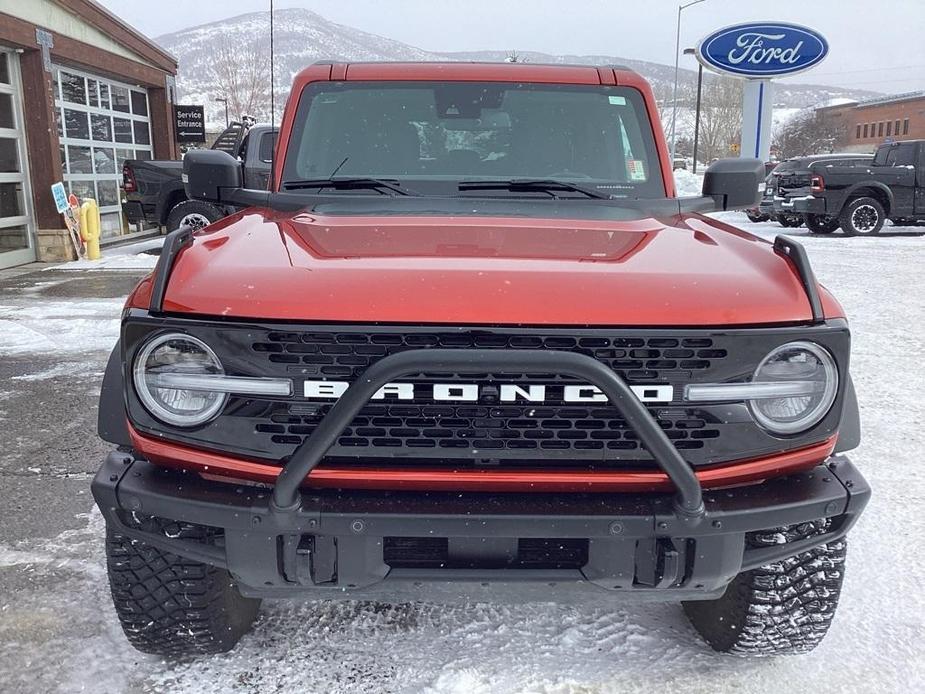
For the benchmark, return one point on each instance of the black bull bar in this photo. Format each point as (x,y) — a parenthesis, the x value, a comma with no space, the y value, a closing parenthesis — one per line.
(302,540)
(688,501)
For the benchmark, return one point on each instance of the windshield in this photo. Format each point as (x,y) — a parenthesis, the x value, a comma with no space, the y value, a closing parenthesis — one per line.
(431,136)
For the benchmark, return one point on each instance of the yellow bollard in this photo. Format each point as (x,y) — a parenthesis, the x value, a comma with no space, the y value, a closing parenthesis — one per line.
(90,227)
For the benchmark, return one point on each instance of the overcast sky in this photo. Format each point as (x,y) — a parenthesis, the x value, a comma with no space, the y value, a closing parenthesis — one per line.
(874,44)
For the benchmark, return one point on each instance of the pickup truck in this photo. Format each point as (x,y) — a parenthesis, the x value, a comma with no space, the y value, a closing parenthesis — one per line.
(856,193)
(153,192)
(470,344)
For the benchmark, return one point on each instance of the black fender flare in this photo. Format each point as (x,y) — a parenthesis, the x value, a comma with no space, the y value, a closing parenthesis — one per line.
(165,200)
(873,185)
(112,422)
(849,428)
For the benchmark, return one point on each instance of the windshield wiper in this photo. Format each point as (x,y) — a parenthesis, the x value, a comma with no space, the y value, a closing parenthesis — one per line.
(347,182)
(541,185)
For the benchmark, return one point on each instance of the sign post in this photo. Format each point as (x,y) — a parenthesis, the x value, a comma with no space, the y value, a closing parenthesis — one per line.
(759,51)
(189,123)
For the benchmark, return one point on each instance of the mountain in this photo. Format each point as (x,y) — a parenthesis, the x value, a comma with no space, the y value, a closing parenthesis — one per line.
(302,36)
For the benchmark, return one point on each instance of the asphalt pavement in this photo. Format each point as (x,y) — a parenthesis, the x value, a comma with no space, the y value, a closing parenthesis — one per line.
(56,330)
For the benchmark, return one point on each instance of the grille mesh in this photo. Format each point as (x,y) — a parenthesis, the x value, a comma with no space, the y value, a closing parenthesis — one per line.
(488,426)
(346,355)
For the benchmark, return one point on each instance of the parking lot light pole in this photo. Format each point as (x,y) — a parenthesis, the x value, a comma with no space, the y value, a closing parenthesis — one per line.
(674,95)
(224,101)
(693,51)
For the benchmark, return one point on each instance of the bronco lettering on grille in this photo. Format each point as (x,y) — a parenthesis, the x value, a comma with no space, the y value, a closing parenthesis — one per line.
(472,392)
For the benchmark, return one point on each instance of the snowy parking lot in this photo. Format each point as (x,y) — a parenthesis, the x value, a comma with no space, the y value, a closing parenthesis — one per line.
(58,631)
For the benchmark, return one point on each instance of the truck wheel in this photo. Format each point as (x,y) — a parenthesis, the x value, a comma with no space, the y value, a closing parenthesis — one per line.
(783,608)
(755,216)
(193,213)
(820,223)
(171,606)
(789,220)
(862,217)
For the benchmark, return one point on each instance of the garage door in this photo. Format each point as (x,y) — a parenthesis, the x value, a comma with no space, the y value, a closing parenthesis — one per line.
(16,224)
(101,123)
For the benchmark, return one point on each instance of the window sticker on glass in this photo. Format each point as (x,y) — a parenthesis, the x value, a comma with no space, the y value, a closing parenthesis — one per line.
(617,100)
(635,169)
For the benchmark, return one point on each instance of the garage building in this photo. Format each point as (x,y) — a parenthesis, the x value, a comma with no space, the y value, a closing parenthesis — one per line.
(80,92)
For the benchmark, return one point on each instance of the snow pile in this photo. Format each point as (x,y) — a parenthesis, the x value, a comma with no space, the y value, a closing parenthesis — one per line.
(61,327)
(688,184)
(120,261)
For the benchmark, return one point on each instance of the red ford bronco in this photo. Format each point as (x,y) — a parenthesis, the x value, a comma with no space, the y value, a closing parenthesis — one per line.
(470,343)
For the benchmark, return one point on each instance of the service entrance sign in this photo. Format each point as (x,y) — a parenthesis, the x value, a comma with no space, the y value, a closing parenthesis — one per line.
(190,123)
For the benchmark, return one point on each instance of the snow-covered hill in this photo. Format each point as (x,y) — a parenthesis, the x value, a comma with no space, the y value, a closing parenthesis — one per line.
(303,36)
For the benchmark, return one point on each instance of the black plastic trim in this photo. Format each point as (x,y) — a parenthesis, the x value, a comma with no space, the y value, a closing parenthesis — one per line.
(849,428)
(174,242)
(629,534)
(111,420)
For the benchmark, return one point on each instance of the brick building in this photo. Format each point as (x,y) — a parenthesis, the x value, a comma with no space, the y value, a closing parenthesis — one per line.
(80,91)
(867,124)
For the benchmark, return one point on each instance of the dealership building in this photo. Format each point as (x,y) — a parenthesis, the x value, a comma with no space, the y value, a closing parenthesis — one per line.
(867,124)
(80,92)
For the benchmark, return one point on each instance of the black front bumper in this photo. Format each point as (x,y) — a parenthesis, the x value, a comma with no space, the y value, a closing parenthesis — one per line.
(804,204)
(334,545)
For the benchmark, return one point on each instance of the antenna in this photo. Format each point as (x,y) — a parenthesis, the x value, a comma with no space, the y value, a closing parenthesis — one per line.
(272,105)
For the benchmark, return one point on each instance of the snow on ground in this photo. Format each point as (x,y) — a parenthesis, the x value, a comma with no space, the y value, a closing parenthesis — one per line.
(87,325)
(68,639)
(116,261)
(135,256)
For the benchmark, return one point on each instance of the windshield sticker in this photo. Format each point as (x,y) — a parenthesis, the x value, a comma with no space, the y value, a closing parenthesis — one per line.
(635,168)
(617,100)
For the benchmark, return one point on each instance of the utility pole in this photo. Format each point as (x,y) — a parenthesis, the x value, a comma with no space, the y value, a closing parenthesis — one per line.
(224,101)
(674,95)
(693,51)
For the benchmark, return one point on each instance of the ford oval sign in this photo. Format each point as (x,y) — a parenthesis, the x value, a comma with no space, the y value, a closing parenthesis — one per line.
(762,49)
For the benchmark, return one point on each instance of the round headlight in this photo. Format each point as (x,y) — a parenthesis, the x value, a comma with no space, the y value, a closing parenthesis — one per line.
(812,377)
(177,354)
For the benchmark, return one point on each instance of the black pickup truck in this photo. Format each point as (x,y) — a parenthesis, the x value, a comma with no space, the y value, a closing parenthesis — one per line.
(855,192)
(153,191)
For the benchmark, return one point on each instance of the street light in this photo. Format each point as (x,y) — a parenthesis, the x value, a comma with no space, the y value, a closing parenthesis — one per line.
(693,51)
(677,55)
(224,101)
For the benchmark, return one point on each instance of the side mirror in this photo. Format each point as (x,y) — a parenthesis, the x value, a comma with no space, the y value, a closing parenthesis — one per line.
(211,175)
(734,184)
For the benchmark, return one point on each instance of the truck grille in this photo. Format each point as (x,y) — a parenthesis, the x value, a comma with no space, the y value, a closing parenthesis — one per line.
(426,428)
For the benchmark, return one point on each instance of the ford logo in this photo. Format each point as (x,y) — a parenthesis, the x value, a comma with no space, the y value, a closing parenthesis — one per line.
(762,49)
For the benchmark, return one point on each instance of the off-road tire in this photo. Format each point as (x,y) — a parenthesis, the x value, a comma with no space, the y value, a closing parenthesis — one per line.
(194,213)
(755,216)
(862,217)
(820,223)
(789,220)
(783,608)
(171,606)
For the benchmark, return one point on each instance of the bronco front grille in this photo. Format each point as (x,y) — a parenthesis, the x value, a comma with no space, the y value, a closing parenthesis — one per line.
(488,430)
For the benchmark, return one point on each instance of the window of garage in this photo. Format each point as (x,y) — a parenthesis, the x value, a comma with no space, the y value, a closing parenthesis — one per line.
(101,123)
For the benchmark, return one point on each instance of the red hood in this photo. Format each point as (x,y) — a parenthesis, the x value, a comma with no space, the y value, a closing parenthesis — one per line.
(485,270)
